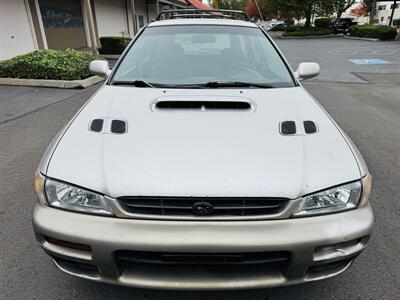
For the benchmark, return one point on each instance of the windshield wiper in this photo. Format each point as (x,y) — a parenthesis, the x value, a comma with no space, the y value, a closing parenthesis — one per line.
(137,83)
(217,84)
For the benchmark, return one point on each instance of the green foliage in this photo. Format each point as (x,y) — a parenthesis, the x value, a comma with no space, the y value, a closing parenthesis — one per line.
(381,32)
(322,22)
(279,27)
(113,44)
(307,31)
(228,4)
(49,64)
(290,28)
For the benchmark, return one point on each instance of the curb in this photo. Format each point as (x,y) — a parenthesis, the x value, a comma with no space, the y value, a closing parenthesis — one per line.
(308,37)
(110,56)
(62,84)
(363,39)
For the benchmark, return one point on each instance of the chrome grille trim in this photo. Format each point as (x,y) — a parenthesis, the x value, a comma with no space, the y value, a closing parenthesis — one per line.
(229,208)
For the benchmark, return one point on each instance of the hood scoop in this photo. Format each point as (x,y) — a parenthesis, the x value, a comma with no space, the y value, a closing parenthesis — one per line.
(205,103)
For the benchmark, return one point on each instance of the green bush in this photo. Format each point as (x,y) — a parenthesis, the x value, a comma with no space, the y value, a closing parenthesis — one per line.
(49,64)
(310,31)
(381,32)
(294,28)
(279,27)
(113,44)
(286,28)
(322,23)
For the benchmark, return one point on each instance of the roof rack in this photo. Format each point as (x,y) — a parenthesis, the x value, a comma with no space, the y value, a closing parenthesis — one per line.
(202,14)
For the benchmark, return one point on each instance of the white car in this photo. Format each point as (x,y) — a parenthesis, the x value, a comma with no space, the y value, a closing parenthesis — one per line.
(202,163)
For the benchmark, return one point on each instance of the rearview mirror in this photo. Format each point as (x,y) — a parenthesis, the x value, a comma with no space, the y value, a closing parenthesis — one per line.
(307,70)
(99,68)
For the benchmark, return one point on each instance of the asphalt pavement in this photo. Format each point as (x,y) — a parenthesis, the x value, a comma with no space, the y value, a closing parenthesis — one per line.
(369,113)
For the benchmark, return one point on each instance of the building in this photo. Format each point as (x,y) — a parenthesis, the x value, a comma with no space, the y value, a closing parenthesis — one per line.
(382,15)
(27,25)
(383,12)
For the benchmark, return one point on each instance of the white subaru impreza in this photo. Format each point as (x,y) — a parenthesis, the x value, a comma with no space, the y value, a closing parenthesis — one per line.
(202,163)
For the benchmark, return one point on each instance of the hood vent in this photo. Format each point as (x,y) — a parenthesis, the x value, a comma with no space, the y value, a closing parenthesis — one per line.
(118,126)
(97,125)
(108,125)
(298,127)
(310,127)
(203,105)
(288,127)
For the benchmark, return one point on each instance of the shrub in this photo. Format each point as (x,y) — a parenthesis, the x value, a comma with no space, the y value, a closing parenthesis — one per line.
(113,44)
(49,64)
(286,28)
(279,27)
(307,31)
(322,22)
(381,32)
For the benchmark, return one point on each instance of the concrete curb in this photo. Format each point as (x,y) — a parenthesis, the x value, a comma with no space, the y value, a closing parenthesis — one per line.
(110,56)
(62,84)
(363,39)
(307,37)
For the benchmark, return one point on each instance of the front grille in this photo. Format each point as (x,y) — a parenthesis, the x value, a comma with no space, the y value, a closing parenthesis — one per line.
(203,206)
(217,260)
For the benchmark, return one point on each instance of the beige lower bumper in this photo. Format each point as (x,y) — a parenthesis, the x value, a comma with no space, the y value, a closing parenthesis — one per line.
(298,237)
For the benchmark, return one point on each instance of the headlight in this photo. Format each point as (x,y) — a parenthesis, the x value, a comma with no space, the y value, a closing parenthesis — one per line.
(333,200)
(69,197)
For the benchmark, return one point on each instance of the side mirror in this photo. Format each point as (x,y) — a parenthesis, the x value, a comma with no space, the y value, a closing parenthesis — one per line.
(307,70)
(99,68)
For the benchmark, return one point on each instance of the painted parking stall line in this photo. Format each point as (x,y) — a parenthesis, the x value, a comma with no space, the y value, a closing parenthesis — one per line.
(369,61)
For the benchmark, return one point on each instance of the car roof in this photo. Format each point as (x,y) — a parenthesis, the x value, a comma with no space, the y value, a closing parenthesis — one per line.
(201,21)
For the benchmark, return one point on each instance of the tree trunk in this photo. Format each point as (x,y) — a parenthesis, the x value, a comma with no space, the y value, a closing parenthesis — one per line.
(372,13)
(339,14)
(308,14)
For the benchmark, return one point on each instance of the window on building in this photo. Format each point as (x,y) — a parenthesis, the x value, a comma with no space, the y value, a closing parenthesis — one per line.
(382,7)
(61,15)
(397,5)
(140,21)
(382,19)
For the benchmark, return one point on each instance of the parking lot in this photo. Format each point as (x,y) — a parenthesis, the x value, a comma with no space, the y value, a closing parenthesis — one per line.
(364,99)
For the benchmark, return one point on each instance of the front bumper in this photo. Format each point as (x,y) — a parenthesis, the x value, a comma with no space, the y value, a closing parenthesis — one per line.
(298,237)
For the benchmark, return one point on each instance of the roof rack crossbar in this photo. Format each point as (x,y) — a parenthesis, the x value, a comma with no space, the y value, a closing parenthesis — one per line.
(202,13)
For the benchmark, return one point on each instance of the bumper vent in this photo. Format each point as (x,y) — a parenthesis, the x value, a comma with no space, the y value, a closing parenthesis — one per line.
(202,259)
(202,207)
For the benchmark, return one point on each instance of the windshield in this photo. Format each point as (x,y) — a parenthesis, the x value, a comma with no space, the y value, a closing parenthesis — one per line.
(212,56)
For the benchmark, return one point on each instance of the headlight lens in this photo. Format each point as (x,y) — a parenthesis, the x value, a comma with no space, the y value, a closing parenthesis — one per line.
(336,199)
(69,197)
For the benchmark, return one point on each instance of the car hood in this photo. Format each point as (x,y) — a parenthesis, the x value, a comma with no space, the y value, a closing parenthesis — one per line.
(203,152)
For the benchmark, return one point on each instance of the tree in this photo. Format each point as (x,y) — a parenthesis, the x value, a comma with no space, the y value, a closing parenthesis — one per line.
(340,6)
(228,4)
(359,11)
(251,9)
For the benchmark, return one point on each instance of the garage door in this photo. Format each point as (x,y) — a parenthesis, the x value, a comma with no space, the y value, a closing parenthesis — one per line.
(15,30)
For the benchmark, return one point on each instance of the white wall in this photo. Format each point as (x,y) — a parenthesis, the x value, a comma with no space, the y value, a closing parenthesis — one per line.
(16,35)
(110,17)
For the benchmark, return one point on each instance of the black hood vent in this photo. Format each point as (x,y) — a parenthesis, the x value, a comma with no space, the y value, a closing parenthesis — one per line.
(203,105)
(288,127)
(310,127)
(97,125)
(118,126)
